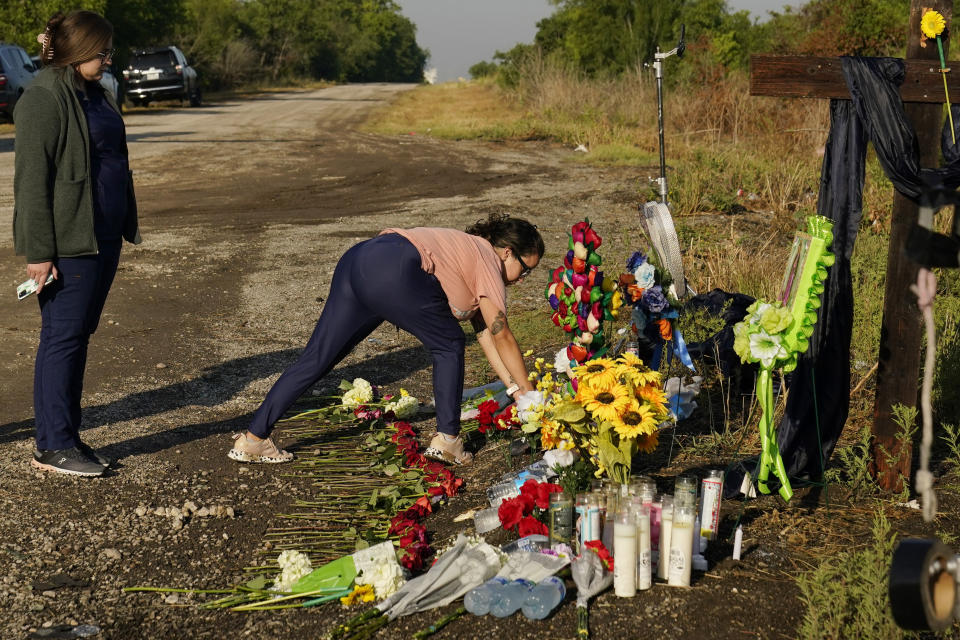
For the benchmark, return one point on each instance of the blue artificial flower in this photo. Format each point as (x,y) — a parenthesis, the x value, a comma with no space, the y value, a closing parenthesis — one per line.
(635,261)
(645,275)
(654,300)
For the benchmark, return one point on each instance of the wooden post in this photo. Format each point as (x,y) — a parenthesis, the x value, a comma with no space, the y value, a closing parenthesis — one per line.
(900,334)
(900,337)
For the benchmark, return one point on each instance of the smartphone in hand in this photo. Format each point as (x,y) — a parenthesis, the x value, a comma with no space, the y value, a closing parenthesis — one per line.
(30,286)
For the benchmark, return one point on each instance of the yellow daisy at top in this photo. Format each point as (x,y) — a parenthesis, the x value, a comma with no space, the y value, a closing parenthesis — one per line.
(632,368)
(599,374)
(932,24)
(606,404)
(638,422)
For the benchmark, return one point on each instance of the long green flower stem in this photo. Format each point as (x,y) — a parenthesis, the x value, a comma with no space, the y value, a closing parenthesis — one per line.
(274,602)
(439,624)
(366,632)
(354,623)
(174,590)
(583,623)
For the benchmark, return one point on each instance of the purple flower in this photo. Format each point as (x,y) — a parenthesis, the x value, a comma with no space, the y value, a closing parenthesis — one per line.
(635,261)
(654,300)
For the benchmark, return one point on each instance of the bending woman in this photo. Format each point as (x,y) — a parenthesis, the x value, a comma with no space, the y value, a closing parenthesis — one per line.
(425,281)
(73,207)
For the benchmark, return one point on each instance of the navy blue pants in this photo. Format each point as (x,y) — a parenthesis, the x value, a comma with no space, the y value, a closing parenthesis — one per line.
(70,310)
(377,280)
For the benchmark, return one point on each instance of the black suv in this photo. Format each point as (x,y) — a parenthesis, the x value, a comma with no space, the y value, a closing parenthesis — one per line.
(160,74)
(16,72)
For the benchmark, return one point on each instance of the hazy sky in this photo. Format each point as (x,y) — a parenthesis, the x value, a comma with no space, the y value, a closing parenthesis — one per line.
(460,33)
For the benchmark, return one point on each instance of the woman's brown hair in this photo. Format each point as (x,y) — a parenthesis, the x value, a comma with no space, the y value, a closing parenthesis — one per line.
(73,38)
(501,230)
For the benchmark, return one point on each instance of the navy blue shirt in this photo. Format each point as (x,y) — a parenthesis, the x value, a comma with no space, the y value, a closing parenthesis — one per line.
(108,163)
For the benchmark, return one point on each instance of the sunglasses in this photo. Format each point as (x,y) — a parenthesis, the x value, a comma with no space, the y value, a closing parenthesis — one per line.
(526,270)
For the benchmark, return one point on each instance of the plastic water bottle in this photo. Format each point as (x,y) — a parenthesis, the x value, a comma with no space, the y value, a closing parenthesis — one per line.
(532,542)
(544,598)
(477,601)
(512,596)
(501,491)
(486,520)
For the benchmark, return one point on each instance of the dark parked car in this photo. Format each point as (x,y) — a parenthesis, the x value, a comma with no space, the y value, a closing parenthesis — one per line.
(160,74)
(16,72)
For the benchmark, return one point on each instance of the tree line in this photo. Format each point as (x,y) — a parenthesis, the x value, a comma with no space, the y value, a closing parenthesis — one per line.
(612,37)
(232,42)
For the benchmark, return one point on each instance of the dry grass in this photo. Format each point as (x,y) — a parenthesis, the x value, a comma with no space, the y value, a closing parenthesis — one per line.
(458,110)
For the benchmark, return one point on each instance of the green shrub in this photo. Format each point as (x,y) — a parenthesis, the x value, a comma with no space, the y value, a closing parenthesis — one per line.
(846,596)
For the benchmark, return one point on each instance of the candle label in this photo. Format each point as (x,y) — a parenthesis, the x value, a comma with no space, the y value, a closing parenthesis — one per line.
(678,560)
(644,570)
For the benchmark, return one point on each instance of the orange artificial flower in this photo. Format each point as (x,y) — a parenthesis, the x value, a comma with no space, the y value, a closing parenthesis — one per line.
(666,330)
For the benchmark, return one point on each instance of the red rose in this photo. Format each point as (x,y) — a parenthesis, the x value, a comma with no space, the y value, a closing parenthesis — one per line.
(510,513)
(529,487)
(527,502)
(530,525)
(597,547)
(543,492)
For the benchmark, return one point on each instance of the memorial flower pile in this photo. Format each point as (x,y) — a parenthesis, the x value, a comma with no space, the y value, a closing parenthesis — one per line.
(438,481)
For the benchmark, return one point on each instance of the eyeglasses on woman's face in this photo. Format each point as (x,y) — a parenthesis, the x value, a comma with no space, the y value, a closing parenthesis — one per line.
(106,54)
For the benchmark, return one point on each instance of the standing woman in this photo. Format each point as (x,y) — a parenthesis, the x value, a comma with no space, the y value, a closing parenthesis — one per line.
(73,207)
(425,281)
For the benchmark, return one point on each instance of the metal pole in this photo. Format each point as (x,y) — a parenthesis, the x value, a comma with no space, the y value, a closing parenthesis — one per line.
(658,70)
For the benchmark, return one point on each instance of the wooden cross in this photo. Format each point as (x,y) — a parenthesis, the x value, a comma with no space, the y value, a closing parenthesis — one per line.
(922,91)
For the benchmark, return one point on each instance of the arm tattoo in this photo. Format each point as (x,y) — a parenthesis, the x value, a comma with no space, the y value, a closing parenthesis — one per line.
(499,323)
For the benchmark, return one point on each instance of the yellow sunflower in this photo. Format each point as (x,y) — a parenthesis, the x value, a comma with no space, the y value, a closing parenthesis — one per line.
(647,443)
(932,24)
(606,404)
(654,397)
(599,374)
(632,368)
(638,422)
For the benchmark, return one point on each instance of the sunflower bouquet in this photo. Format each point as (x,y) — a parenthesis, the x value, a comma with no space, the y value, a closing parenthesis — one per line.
(609,411)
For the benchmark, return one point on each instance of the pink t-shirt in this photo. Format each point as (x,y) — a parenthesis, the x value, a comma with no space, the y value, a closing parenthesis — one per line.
(467,267)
